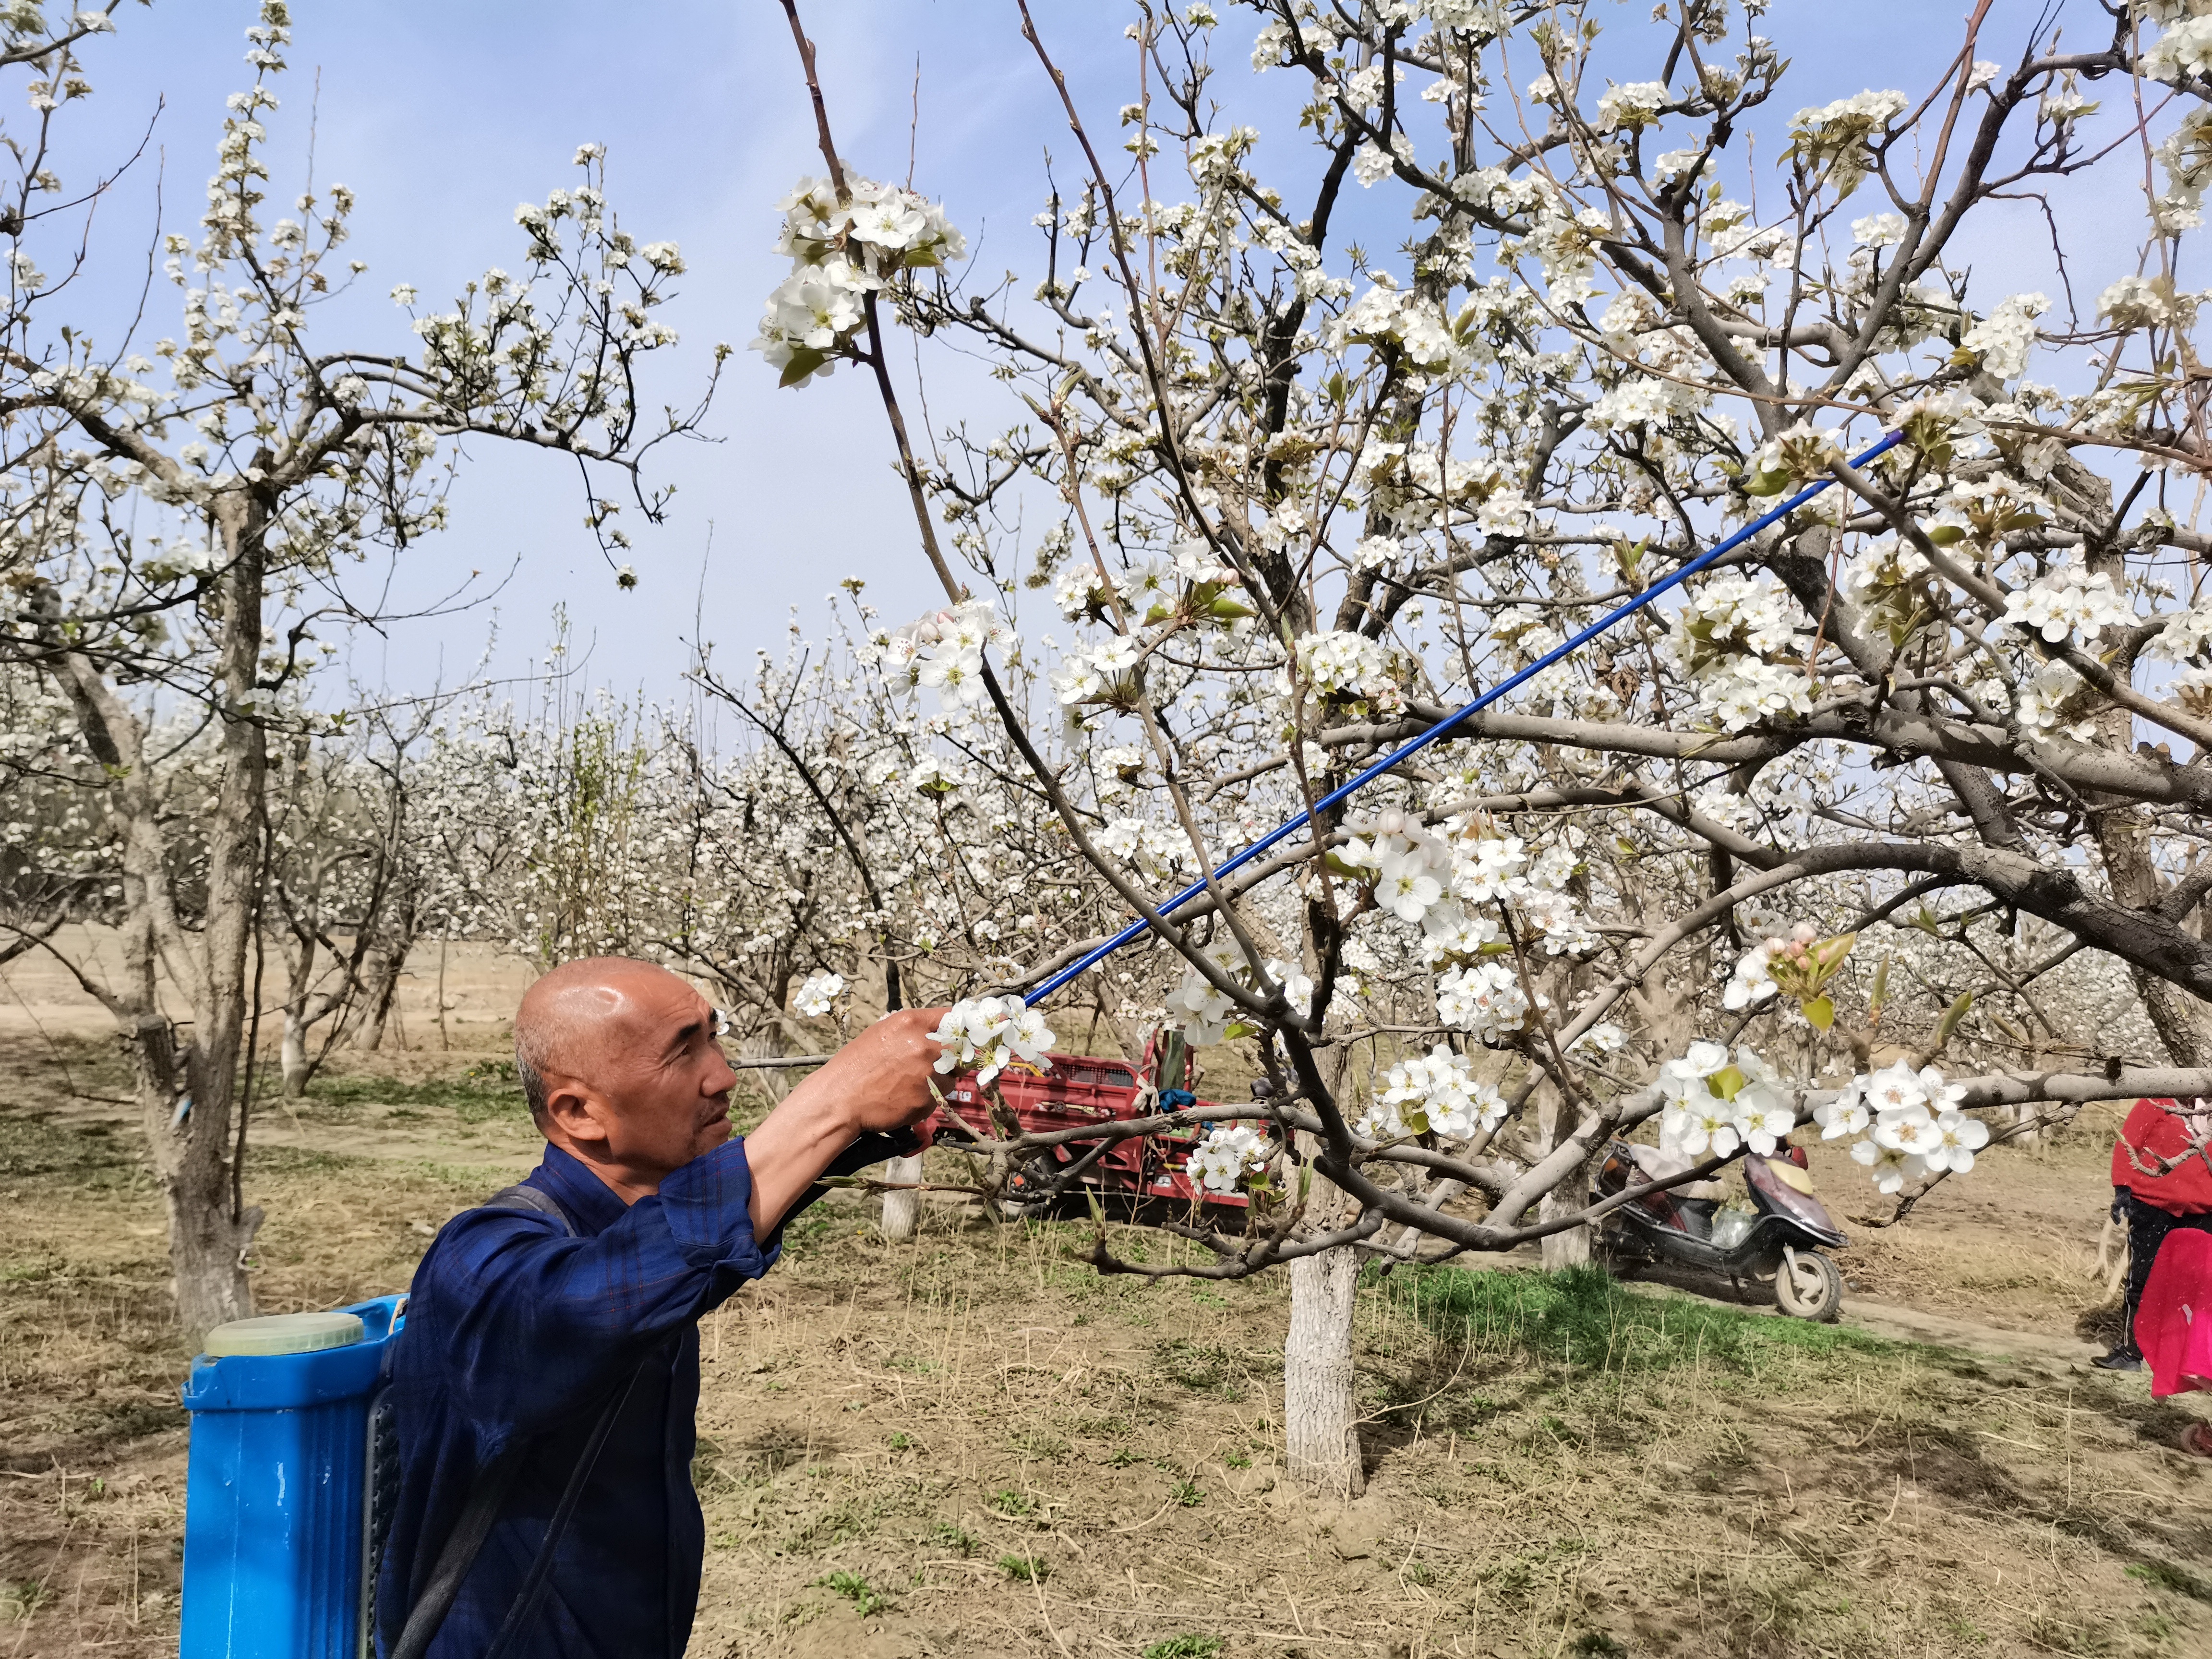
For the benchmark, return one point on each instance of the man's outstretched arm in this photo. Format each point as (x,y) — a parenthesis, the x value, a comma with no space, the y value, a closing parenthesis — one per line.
(879,1081)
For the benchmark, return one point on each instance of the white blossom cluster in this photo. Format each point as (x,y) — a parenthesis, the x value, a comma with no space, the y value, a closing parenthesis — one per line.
(1388,315)
(842,248)
(1352,669)
(942,651)
(2003,339)
(1838,136)
(1227,1153)
(2054,701)
(990,1034)
(2185,637)
(2068,604)
(1438,1093)
(1716,1104)
(819,994)
(1726,638)
(1206,1014)
(1911,1124)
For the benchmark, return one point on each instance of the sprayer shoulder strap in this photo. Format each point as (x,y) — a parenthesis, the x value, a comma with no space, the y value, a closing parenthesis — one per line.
(489,1494)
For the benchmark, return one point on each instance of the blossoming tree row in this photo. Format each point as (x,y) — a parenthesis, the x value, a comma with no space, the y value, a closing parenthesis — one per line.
(1859,829)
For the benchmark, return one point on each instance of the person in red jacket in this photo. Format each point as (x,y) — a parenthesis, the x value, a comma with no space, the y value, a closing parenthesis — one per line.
(2153,1200)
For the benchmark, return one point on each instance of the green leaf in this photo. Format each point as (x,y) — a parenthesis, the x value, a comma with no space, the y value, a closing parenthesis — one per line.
(1952,1016)
(1880,995)
(1820,1011)
(1727,1082)
(1828,955)
(1944,534)
(803,362)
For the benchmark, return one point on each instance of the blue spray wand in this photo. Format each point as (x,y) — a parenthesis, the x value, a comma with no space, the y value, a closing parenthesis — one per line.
(1444,728)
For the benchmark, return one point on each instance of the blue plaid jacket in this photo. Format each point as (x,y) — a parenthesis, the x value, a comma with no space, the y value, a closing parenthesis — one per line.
(515,1329)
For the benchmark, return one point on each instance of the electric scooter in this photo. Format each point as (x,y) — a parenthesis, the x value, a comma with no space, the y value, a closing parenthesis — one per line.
(1683,1237)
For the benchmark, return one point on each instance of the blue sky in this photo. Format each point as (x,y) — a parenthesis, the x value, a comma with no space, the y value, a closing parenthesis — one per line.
(442,117)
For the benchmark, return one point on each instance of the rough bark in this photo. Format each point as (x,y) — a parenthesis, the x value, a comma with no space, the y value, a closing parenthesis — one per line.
(1321,1434)
(386,964)
(1571,1247)
(1321,1443)
(2182,1019)
(292,1051)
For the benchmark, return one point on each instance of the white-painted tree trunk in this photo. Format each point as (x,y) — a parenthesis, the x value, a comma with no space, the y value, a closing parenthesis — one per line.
(902,1210)
(1555,1122)
(1321,1441)
(293,1053)
(1321,1434)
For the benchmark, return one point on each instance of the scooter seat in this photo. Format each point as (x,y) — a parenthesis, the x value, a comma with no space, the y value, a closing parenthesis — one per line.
(1657,1166)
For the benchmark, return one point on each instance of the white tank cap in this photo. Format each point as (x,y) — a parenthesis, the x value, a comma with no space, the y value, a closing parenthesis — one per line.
(298,1332)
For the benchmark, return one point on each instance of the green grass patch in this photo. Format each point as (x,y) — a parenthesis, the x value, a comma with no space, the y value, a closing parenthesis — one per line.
(1583,1320)
(95,1154)
(857,1590)
(472,1099)
(2162,1576)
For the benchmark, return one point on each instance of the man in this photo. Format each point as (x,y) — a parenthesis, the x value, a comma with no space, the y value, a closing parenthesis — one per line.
(2152,1204)
(546,1384)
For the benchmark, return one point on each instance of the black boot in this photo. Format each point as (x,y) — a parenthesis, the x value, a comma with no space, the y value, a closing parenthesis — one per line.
(2120,1359)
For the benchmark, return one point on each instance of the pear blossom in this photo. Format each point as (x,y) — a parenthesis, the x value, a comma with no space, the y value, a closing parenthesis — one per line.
(1716,1103)
(1227,1153)
(1957,1137)
(1750,982)
(1891,1166)
(818,995)
(1485,999)
(1437,1093)
(2067,603)
(990,1034)
(1846,1115)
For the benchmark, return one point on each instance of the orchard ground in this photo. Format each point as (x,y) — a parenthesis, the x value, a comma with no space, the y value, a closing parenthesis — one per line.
(974,1444)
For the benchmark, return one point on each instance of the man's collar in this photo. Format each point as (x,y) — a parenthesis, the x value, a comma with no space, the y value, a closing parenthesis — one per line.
(590,1203)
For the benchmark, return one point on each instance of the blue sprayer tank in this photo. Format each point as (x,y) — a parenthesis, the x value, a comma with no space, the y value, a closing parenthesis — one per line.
(278,1486)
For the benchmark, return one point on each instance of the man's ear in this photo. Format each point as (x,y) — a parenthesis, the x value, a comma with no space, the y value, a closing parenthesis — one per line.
(580,1115)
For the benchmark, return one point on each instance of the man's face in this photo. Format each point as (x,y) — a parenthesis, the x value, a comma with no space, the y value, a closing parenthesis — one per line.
(653,1083)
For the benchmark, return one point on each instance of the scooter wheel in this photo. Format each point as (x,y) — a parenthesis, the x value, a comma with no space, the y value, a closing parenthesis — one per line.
(1811,1287)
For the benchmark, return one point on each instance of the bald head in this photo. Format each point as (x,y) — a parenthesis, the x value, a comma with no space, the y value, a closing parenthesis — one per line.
(583,1017)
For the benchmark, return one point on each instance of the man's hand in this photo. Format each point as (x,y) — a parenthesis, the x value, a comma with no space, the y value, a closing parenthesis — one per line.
(877,1081)
(880,1079)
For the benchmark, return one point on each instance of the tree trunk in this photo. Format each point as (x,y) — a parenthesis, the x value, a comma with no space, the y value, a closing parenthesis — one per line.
(386,965)
(293,1056)
(902,1210)
(292,1052)
(1321,1432)
(1321,1438)
(2181,1020)
(1555,1122)
(210,1228)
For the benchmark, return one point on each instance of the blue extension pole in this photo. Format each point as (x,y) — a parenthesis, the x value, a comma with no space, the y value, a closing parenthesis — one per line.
(1443,727)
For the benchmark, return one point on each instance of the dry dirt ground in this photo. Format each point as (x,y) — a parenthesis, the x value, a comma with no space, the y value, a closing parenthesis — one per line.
(973,1445)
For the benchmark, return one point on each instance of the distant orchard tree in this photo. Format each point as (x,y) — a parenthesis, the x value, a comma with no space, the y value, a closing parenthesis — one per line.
(183,517)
